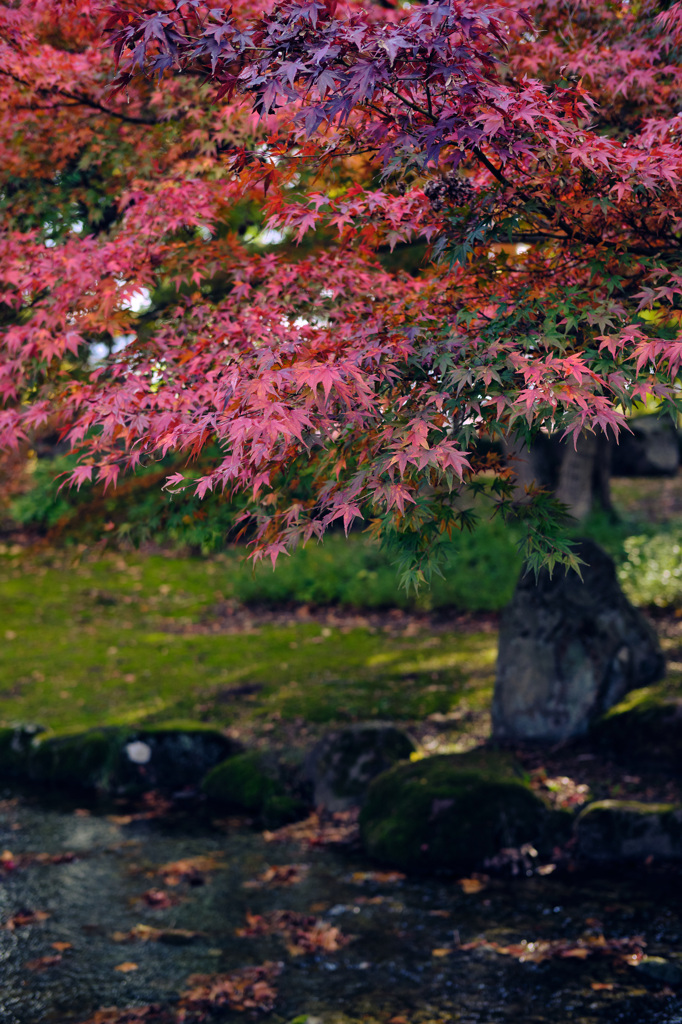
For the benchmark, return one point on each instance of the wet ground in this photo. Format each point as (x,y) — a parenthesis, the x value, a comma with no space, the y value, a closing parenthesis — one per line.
(98,872)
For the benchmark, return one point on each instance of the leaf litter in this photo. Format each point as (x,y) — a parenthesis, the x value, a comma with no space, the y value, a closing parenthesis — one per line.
(247,989)
(278,875)
(302,933)
(337,828)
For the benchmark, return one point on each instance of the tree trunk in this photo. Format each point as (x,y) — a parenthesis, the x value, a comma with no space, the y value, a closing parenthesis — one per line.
(578,474)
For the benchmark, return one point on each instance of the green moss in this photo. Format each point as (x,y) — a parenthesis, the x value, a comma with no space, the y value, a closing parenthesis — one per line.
(115,642)
(625,829)
(81,760)
(450,812)
(179,725)
(645,727)
(279,809)
(245,782)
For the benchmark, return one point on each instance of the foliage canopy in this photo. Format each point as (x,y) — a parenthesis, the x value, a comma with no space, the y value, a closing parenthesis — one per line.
(221,219)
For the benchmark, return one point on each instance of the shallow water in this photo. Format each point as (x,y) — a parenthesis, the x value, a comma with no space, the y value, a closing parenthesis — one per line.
(388,970)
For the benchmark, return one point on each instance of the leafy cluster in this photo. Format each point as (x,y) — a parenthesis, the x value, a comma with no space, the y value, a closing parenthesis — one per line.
(245,173)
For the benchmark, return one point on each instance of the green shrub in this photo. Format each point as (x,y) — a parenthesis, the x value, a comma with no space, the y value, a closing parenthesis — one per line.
(652,571)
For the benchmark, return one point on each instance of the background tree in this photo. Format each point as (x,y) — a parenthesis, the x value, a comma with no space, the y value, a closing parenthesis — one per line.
(537,153)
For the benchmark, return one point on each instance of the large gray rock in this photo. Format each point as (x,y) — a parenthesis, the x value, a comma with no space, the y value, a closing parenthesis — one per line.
(569,650)
(651,449)
(619,830)
(344,762)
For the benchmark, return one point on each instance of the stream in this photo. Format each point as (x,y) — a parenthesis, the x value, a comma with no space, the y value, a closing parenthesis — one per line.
(87,866)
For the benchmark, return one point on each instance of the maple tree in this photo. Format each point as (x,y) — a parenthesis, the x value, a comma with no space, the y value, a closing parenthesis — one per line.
(536,152)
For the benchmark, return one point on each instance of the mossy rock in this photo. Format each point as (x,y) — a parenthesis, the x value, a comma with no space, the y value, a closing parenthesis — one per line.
(81,760)
(344,762)
(250,782)
(127,760)
(452,812)
(644,728)
(15,749)
(620,830)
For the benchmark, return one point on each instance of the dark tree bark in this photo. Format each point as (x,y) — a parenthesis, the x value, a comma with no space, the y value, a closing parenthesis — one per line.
(579,473)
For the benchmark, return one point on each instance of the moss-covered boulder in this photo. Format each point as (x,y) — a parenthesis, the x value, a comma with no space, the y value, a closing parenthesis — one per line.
(125,760)
(344,762)
(644,728)
(15,749)
(252,782)
(618,830)
(452,812)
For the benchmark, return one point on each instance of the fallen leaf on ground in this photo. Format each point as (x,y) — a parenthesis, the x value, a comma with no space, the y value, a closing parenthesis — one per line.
(126,967)
(61,946)
(381,877)
(302,933)
(278,874)
(319,830)
(82,812)
(474,884)
(43,962)
(439,913)
(25,917)
(602,986)
(442,951)
(247,989)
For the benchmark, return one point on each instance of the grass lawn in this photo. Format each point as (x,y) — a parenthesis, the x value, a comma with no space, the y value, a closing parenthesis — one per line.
(132,639)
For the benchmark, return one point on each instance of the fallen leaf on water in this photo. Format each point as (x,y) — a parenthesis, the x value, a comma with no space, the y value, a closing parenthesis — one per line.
(43,962)
(126,967)
(147,933)
(138,933)
(474,884)
(61,946)
(190,869)
(159,899)
(278,874)
(627,950)
(128,1015)
(25,917)
(442,951)
(381,877)
(341,827)
(302,933)
(247,989)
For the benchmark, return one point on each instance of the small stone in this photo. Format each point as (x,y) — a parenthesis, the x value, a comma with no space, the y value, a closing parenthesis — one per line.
(139,752)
